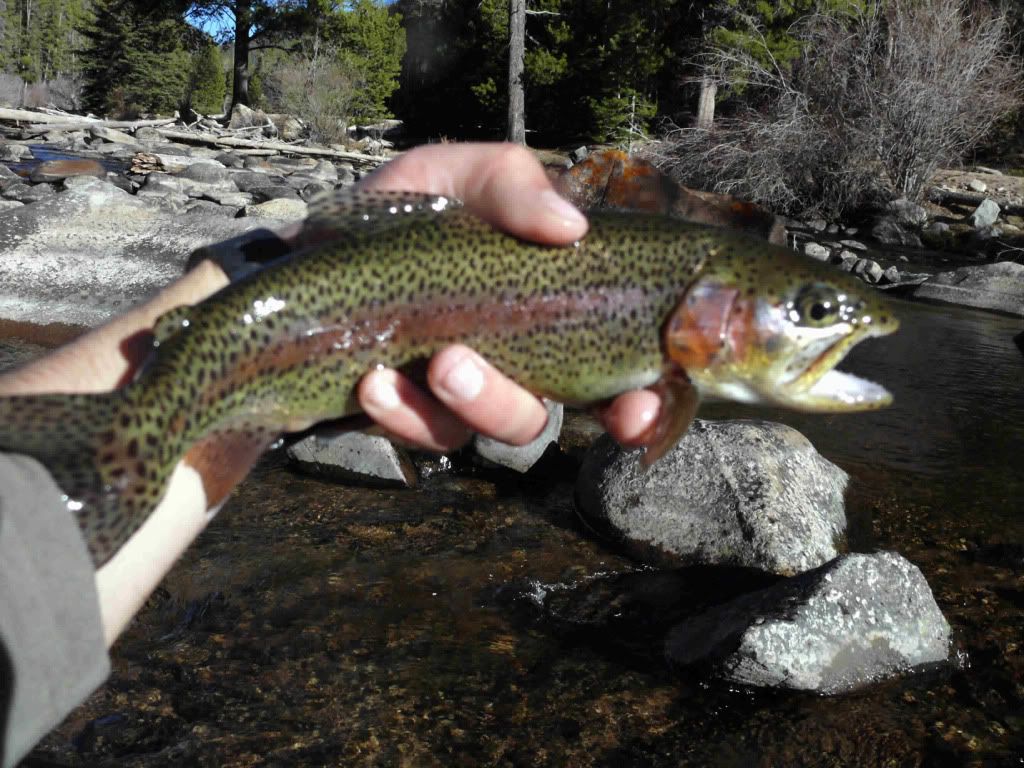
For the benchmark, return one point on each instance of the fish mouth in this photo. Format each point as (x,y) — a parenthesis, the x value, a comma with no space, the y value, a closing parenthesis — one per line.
(823,388)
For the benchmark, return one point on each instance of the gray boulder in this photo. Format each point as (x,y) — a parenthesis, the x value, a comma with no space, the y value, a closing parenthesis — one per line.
(206,172)
(522,457)
(907,213)
(281,209)
(868,270)
(985,215)
(858,619)
(744,493)
(998,287)
(28,193)
(817,251)
(353,456)
(90,252)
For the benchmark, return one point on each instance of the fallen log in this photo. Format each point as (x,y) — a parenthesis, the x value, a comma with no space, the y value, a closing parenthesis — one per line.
(277,146)
(947,197)
(70,122)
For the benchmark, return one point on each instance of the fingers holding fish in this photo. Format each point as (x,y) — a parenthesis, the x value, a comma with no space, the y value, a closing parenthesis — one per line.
(484,398)
(503,184)
(630,416)
(408,413)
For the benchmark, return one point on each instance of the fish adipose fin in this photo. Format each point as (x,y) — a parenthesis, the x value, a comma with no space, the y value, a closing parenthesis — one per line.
(679,401)
(368,213)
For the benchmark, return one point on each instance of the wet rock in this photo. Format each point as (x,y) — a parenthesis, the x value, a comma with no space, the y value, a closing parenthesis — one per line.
(90,252)
(743,493)
(854,621)
(353,456)
(868,270)
(891,275)
(282,208)
(522,457)
(937,235)
(817,251)
(13,153)
(58,170)
(855,245)
(985,215)
(998,287)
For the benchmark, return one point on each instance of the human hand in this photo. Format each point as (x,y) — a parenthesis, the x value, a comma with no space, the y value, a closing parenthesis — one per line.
(506,186)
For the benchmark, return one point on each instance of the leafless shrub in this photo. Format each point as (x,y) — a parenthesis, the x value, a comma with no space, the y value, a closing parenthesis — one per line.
(880,97)
(12,89)
(317,88)
(66,92)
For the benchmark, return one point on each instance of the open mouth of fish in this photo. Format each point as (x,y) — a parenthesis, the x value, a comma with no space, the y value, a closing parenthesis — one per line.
(824,388)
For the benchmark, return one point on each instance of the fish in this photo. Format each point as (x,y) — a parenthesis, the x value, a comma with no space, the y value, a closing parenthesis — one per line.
(388,279)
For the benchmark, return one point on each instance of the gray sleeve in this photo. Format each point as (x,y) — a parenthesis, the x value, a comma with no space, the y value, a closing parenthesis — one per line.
(52,651)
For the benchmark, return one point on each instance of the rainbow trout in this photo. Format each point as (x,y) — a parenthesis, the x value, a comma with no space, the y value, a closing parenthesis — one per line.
(389,279)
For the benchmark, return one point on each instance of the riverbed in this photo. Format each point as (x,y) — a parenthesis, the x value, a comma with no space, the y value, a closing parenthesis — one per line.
(323,624)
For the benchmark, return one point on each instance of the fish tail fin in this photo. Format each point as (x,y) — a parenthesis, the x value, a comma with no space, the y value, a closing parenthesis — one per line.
(105,461)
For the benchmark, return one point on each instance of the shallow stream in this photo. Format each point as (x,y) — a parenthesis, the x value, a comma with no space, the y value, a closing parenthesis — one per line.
(319,624)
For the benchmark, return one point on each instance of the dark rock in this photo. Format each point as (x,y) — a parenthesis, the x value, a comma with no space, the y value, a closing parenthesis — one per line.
(744,493)
(521,457)
(249,181)
(1019,341)
(998,287)
(855,245)
(210,172)
(891,275)
(353,456)
(856,620)
(888,231)
(230,160)
(907,213)
(273,192)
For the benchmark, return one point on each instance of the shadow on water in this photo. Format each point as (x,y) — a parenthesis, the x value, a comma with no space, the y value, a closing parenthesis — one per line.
(321,624)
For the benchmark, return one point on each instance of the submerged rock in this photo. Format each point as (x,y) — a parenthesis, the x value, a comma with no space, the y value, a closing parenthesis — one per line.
(353,456)
(998,287)
(742,493)
(858,619)
(58,170)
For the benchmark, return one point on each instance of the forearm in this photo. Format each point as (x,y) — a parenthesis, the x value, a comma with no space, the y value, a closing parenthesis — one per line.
(99,361)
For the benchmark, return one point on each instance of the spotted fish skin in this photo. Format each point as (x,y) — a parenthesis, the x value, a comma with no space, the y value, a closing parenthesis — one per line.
(382,281)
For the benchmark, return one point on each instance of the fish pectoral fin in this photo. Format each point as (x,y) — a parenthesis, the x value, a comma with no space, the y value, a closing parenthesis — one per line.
(368,213)
(224,458)
(679,401)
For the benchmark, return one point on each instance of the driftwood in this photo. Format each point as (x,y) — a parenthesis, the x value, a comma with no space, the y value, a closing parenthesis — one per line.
(277,146)
(946,197)
(71,122)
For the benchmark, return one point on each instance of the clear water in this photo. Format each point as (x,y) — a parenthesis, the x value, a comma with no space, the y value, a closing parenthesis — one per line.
(323,624)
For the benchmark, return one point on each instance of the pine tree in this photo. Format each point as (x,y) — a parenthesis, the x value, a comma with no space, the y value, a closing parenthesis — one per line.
(371,43)
(208,87)
(135,61)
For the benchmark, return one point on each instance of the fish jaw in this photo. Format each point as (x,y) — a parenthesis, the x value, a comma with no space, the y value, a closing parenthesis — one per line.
(755,347)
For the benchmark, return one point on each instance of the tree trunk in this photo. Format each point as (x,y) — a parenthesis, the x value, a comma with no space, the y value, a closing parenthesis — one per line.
(706,103)
(243,28)
(516,57)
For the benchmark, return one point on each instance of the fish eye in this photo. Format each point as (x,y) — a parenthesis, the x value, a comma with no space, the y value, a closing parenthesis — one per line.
(818,306)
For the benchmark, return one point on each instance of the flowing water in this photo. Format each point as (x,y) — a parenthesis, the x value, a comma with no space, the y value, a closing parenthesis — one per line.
(320,624)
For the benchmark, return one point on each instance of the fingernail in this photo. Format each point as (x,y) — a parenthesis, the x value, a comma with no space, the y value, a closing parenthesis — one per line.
(562,209)
(381,392)
(464,381)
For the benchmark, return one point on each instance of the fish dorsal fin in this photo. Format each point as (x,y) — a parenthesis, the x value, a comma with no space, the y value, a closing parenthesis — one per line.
(171,323)
(359,213)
